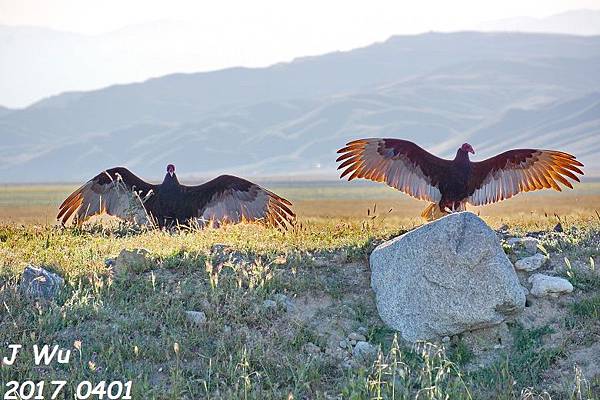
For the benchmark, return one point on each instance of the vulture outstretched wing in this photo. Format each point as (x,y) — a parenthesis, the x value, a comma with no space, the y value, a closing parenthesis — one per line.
(522,170)
(232,199)
(116,191)
(399,163)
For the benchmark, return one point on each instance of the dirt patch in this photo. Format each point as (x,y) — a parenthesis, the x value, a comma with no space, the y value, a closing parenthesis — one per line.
(586,358)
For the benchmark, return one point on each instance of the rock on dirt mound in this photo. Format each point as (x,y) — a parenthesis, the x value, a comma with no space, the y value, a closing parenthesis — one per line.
(39,283)
(531,263)
(545,285)
(136,260)
(447,277)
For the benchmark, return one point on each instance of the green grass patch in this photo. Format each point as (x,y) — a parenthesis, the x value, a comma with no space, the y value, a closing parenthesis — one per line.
(522,367)
(460,353)
(422,372)
(587,308)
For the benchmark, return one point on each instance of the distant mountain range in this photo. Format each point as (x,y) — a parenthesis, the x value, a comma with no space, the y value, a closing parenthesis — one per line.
(574,22)
(40,62)
(495,90)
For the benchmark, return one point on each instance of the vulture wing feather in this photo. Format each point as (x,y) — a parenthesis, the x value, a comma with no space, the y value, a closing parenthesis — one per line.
(398,163)
(116,191)
(526,170)
(231,199)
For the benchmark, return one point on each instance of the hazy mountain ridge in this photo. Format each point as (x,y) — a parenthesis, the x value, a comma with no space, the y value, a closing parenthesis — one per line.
(38,62)
(572,125)
(436,89)
(574,22)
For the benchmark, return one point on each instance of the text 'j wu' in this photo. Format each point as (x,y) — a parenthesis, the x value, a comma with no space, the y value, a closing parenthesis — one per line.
(42,355)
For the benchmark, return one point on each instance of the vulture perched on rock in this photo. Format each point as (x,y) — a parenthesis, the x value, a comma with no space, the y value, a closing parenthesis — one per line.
(118,192)
(450,184)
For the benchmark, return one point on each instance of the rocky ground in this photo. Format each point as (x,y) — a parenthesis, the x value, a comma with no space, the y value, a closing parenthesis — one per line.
(226,321)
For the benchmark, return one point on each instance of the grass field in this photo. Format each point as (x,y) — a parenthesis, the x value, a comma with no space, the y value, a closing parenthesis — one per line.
(37,204)
(131,324)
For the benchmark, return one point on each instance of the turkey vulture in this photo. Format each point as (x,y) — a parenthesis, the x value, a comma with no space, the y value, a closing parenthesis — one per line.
(450,184)
(118,192)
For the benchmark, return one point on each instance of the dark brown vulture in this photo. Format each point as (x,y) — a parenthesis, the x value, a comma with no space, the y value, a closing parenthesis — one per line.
(450,184)
(118,192)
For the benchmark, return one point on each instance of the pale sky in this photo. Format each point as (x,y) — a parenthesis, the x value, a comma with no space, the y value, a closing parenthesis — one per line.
(356,19)
(169,36)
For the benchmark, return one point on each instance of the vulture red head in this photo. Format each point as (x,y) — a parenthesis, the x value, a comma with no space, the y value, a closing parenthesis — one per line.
(466,147)
(170,169)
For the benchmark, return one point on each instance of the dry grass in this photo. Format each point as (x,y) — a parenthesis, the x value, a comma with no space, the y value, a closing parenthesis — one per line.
(38,204)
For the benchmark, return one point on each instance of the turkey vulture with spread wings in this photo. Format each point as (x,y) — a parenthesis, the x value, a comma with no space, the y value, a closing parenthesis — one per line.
(450,184)
(118,192)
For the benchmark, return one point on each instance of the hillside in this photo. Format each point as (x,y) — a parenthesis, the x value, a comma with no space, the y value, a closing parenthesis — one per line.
(288,119)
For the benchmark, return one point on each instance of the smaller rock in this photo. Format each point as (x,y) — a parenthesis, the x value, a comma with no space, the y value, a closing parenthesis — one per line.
(343,344)
(531,263)
(197,317)
(284,301)
(226,329)
(269,304)
(545,285)
(503,228)
(446,339)
(336,352)
(357,337)
(364,351)
(312,348)
(525,290)
(558,228)
(136,260)
(109,262)
(40,283)
(352,342)
(362,330)
(513,241)
(528,244)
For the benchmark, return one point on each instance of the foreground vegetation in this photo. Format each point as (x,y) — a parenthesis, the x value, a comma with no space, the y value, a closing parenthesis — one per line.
(131,324)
